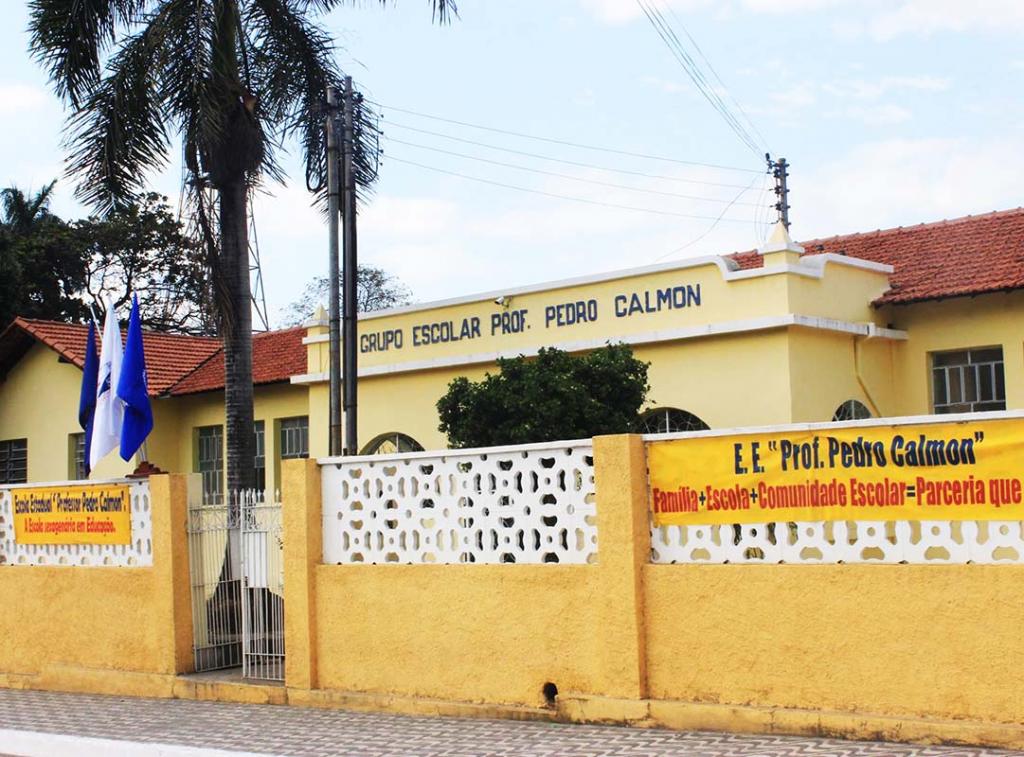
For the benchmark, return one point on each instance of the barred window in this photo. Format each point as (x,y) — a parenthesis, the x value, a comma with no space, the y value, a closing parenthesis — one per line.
(76,456)
(294,438)
(968,381)
(851,410)
(14,461)
(391,443)
(210,462)
(669,420)
(260,459)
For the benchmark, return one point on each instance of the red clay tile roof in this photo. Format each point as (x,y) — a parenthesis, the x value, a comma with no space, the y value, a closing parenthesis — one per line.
(276,356)
(953,258)
(175,363)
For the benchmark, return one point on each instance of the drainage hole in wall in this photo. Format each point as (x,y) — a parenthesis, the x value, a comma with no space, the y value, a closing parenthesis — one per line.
(550,692)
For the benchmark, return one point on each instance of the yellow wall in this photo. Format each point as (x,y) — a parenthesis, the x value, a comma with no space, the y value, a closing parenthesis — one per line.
(62,623)
(986,321)
(904,640)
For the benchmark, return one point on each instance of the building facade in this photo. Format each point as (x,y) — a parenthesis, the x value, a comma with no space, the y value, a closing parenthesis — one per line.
(909,321)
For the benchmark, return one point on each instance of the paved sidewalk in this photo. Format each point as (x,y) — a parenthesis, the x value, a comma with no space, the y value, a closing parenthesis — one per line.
(74,724)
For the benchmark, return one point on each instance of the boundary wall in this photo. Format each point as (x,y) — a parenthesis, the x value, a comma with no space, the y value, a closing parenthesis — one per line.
(900,652)
(103,628)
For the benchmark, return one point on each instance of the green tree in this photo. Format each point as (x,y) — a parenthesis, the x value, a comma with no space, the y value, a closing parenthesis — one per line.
(142,249)
(376,289)
(40,273)
(553,396)
(233,79)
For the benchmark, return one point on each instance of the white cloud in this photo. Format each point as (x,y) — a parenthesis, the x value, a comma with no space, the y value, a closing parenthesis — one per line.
(925,17)
(869,90)
(16,99)
(875,115)
(789,6)
(906,181)
(798,96)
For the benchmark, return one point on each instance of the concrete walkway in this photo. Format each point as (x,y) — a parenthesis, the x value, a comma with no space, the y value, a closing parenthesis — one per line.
(42,723)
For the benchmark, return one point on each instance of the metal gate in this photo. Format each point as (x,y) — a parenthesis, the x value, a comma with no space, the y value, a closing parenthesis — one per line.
(236,562)
(262,570)
(213,552)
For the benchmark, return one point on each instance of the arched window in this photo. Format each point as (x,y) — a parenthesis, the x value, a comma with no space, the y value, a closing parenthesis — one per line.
(851,410)
(668,420)
(391,443)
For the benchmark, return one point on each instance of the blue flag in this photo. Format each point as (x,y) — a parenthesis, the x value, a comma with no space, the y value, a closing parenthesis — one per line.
(87,400)
(132,389)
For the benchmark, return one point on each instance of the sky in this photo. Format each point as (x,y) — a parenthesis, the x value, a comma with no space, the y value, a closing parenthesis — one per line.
(890,112)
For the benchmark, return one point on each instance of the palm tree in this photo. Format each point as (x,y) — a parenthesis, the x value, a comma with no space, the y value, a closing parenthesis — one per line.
(232,79)
(22,213)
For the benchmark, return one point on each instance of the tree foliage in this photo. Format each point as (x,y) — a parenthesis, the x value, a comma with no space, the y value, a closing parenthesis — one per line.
(376,289)
(54,269)
(553,396)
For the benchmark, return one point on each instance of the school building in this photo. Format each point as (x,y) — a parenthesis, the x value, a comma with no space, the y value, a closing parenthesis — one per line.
(906,321)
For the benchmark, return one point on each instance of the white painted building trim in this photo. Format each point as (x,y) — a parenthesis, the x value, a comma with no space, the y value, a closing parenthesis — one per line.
(812,266)
(763,323)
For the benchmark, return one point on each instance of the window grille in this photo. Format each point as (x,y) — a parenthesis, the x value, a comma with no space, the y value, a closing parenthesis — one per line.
(260,459)
(851,410)
(670,420)
(968,381)
(392,443)
(210,462)
(14,461)
(294,437)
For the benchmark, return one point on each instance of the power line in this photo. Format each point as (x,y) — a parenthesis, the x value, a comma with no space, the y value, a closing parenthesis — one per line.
(565,197)
(712,226)
(718,78)
(564,161)
(570,177)
(566,143)
(675,46)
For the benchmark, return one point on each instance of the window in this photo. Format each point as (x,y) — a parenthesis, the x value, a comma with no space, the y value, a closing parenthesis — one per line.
(210,462)
(260,460)
(76,456)
(294,438)
(851,410)
(968,381)
(14,461)
(391,443)
(669,420)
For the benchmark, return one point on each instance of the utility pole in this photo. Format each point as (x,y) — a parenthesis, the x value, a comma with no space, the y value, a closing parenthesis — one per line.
(349,267)
(779,171)
(333,192)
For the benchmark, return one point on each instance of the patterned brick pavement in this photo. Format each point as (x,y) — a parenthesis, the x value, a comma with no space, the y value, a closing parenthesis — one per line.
(277,730)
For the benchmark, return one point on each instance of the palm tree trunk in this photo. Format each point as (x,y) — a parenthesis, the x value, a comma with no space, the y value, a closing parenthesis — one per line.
(237,334)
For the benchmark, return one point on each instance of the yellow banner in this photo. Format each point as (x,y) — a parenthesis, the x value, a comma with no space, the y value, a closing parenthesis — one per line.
(87,514)
(969,470)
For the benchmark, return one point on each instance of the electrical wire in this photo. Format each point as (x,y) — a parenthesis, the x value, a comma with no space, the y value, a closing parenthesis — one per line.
(577,163)
(567,197)
(718,78)
(711,227)
(566,143)
(569,176)
(677,49)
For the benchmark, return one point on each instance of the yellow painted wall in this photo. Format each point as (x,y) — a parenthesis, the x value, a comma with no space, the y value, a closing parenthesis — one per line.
(100,619)
(904,640)
(986,321)
(484,633)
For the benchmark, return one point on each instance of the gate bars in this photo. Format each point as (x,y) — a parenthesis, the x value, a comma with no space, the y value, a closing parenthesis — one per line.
(237,568)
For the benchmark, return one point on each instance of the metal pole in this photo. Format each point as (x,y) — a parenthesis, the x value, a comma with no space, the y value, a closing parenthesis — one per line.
(334,443)
(349,267)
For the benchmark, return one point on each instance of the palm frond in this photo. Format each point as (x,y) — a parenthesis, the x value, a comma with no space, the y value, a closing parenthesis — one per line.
(118,136)
(442,10)
(70,36)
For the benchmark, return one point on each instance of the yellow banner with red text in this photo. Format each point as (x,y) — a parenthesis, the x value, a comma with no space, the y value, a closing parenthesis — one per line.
(970,470)
(86,514)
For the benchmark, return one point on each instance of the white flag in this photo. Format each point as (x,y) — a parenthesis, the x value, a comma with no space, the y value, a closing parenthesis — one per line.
(106,427)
